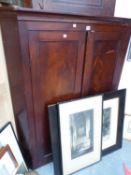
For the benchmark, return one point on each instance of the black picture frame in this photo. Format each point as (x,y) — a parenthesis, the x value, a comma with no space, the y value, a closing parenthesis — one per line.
(55,121)
(6,126)
(55,138)
(115,122)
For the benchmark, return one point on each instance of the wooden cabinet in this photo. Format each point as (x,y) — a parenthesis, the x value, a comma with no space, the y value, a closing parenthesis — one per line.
(54,57)
(88,7)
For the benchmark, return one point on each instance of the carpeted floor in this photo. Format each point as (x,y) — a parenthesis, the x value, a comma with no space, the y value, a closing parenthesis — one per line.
(111,164)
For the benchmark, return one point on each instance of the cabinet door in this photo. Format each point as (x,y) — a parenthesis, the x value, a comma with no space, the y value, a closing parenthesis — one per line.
(56,68)
(89,7)
(104,60)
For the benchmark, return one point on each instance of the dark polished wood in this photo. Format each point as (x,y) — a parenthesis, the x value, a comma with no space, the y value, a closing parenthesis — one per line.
(56,75)
(104,49)
(27,3)
(54,57)
(88,7)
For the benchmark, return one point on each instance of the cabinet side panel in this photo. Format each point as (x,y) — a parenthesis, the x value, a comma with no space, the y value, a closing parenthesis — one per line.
(27,81)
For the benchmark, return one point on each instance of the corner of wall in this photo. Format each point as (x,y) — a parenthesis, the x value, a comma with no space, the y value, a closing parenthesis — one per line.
(6,110)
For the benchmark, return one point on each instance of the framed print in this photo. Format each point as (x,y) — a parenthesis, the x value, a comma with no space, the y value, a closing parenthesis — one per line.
(8,132)
(80,124)
(127,127)
(113,116)
(8,163)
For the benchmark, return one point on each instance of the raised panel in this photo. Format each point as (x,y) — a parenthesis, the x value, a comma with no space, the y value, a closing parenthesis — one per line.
(104,51)
(104,61)
(56,68)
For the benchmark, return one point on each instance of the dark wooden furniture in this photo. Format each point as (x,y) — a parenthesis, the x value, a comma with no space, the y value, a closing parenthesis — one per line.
(88,7)
(54,57)
(27,3)
(24,3)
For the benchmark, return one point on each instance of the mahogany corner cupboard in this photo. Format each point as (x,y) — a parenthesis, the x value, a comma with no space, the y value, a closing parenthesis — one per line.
(53,57)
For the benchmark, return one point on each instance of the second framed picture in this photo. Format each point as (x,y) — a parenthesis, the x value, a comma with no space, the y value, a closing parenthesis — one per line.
(80,124)
(113,118)
(127,127)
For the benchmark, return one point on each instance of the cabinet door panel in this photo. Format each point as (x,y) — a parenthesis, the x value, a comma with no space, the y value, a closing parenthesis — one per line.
(56,68)
(105,52)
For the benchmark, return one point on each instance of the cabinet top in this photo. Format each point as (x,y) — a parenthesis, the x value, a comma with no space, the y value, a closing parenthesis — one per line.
(27,13)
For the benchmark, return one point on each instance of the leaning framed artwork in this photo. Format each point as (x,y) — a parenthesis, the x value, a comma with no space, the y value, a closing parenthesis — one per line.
(127,127)
(8,162)
(113,118)
(55,138)
(7,131)
(80,124)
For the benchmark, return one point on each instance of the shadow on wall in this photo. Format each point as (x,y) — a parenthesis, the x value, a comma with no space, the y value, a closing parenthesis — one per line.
(6,111)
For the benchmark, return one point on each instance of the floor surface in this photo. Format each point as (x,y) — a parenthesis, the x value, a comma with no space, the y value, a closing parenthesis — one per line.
(111,164)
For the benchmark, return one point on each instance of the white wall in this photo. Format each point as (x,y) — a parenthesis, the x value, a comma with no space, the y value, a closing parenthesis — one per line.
(126,83)
(123,9)
(6,112)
